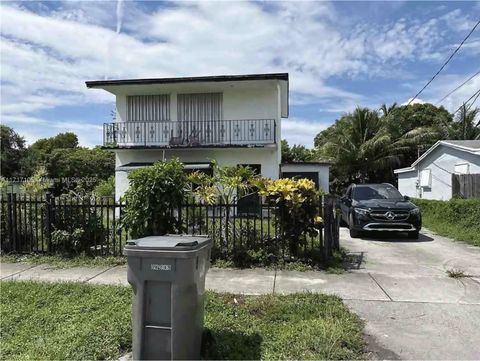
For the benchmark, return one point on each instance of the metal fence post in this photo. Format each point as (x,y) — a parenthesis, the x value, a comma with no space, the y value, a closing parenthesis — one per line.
(9,221)
(48,219)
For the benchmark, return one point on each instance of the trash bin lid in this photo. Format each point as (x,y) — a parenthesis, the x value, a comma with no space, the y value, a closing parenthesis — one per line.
(168,242)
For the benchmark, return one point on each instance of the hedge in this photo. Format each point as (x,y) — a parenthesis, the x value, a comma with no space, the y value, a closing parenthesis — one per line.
(456,218)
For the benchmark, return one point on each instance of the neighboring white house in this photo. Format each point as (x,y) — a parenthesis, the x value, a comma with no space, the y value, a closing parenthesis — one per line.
(430,176)
(233,119)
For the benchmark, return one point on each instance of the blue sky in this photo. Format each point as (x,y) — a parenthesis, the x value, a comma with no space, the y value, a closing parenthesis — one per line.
(339,55)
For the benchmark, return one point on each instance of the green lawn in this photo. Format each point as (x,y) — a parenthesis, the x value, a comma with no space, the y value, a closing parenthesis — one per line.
(457,218)
(78,321)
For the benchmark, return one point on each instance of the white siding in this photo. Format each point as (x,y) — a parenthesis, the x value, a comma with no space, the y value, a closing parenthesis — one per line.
(266,157)
(441,162)
(407,183)
(241,100)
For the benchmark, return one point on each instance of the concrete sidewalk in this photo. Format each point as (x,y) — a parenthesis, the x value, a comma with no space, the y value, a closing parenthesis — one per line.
(400,287)
(247,281)
(402,283)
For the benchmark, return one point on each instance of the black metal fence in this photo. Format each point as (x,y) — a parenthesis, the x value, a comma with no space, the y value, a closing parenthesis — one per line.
(47,224)
(93,226)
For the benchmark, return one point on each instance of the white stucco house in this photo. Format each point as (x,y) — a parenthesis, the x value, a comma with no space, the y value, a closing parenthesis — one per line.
(233,119)
(430,176)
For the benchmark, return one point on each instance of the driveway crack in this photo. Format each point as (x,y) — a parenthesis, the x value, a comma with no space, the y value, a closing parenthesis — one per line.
(378,284)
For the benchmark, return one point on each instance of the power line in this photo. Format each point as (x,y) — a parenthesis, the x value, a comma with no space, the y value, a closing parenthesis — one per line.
(458,87)
(443,66)
(474,100)
(460,107)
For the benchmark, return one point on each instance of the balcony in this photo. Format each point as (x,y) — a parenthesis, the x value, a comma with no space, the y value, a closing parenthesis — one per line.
(190,134)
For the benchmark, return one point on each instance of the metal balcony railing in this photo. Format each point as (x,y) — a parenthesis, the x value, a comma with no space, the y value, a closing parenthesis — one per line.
(205,133)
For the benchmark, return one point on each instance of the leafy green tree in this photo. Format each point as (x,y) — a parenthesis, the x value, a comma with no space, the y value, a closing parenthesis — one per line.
(80,169)
(12,151)
(60,141)
(153,195)
(39,152)
(297,153)
(417,127)
(367,145)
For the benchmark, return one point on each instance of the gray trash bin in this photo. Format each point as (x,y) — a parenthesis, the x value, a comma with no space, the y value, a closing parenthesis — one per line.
(167,274)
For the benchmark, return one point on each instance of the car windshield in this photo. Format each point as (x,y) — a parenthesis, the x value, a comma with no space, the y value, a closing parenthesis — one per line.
(375,191)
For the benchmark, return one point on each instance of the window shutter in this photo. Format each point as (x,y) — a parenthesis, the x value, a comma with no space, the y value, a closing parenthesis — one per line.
(148,107)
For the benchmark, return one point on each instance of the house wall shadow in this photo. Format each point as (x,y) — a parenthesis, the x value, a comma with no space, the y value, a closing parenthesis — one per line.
(231,345)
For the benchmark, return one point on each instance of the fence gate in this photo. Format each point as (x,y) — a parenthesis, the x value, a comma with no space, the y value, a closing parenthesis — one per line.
(466,185)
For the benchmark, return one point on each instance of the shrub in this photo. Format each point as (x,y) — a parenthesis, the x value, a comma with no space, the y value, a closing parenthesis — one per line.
(38,183)
(68,241)
(457,218)
(152,198)
(297,208)
(76,229)
(106,188)
(243,245)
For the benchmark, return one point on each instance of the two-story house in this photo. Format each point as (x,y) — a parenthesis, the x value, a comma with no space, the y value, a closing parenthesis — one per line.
(234,119)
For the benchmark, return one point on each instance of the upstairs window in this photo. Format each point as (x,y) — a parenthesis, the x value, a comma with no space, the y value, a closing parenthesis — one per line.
(199,115)
(148,107)
(200,107)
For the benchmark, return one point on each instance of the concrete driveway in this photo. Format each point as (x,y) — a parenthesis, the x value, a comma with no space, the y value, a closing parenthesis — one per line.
(427,315)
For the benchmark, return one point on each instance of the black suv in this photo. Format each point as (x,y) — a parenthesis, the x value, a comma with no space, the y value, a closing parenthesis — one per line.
(379,207)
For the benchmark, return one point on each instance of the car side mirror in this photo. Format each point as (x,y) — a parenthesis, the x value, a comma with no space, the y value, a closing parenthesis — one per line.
(407,198)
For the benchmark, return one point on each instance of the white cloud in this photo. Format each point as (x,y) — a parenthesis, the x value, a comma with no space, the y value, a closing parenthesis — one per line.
(300,131)
(48,54)
(446,84)
(415,101)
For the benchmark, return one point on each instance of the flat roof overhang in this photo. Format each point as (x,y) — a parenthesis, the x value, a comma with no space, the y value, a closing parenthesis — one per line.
(150,86)
(203,79)
(306,164)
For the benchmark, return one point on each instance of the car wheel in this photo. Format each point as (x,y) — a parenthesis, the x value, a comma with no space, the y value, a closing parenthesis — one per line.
(354,233)
(413,235)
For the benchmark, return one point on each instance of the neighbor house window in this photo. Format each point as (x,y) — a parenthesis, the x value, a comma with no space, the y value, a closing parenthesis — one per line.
(148,107)
(426,178)
(462,168)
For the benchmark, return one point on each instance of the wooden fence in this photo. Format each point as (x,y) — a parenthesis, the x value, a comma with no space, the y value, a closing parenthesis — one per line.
(71,225)
(466,185)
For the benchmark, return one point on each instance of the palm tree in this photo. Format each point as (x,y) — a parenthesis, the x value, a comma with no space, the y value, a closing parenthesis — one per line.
(387,110)
(466,124)
(362,146)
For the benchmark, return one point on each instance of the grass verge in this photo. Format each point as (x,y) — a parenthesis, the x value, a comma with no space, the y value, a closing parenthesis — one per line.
(337,265)
(78,321)
(456,218)
(59,261)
